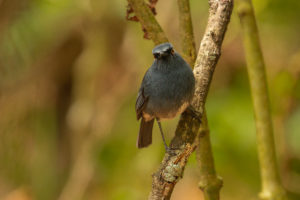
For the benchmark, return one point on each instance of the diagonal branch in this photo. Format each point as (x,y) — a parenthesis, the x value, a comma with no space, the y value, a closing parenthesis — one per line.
(209,183)
(148,21)
(210,50)
(173,164)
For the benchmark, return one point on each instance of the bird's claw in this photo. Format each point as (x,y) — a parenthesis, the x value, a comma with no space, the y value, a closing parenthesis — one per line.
(171,150)
(194,113)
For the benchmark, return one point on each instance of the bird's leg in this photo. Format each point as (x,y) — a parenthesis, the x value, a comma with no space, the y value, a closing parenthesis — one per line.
(193,112)
(162,134)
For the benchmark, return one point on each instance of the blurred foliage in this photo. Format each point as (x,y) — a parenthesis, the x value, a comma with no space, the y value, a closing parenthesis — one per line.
(69,73)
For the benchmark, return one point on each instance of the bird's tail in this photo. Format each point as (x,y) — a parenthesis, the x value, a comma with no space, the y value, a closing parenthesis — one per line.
(145,133)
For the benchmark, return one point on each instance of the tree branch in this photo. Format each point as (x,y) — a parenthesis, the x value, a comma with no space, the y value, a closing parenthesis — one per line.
(271,184)
(148,21)
(209,183)
(173,164)
(171,170)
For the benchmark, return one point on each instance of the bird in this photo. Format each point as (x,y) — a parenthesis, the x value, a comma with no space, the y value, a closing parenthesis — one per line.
(166,91)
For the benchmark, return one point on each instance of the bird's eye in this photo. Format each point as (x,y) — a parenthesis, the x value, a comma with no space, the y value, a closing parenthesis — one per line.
(170,51)
(156,55)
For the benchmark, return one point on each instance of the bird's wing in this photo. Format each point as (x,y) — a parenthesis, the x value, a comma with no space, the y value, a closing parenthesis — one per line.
(140,104)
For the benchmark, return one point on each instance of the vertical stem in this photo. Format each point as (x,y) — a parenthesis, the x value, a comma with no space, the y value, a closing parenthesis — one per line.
(186,32)
(271,184)
(209,183)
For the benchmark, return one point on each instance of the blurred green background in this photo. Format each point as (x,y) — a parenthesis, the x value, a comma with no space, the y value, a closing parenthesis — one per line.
(69,75)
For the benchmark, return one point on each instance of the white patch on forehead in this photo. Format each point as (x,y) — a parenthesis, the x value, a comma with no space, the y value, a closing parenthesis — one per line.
(165,48)
(162,48)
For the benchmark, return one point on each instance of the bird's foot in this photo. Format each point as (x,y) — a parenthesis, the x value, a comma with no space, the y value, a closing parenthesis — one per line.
(194,113)
(171,150)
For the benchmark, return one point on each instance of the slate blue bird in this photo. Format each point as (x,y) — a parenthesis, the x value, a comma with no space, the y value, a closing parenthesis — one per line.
(166,91)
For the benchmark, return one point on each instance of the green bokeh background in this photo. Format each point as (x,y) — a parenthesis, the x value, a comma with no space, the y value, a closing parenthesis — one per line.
(69,75)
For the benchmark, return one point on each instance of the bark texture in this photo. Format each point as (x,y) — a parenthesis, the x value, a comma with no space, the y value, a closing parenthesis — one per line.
(209,182)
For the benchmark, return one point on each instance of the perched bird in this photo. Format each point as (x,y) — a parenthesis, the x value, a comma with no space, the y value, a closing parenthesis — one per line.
(166,91)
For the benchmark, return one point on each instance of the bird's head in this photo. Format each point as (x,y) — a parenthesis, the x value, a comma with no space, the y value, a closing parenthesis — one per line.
(163,51)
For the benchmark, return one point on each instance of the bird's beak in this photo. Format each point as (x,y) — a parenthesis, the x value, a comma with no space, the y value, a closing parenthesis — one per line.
(164,54)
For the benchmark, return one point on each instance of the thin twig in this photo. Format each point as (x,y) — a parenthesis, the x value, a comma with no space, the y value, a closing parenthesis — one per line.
(186,32)
(271,184)
(210,183)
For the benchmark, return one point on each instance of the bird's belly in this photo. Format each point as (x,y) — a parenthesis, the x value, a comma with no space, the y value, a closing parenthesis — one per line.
(164,113)
(147,116)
